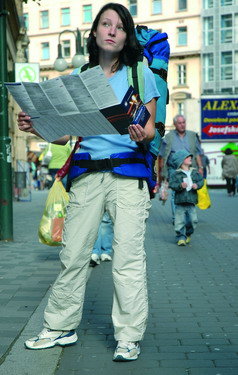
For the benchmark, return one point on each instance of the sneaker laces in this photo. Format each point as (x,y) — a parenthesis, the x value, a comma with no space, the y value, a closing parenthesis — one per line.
(127,344)
(45,331)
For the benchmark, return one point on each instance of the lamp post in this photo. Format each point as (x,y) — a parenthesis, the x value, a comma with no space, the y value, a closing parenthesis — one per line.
(78,60)
(6,208)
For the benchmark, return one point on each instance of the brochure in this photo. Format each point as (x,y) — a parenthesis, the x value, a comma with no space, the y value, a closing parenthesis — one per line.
(78,105)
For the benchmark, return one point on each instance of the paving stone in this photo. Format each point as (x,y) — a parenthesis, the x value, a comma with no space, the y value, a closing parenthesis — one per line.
(192,327)
(213,371)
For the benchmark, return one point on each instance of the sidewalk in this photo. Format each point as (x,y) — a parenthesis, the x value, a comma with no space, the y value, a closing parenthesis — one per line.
(193,297)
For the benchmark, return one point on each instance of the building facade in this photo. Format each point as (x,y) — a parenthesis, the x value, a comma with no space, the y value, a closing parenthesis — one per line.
(48,24)
(220,47)
(17,41)
(202,36)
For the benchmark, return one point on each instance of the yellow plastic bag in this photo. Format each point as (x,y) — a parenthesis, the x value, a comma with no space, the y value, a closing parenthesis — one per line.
(204,200)
(52,221)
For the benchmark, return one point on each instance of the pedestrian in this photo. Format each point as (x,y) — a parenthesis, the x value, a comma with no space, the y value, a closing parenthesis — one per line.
(43,173)
(59,155)
(229,165)
(205,164)
(178,139)
(185,181)
(102,249)
(113,45)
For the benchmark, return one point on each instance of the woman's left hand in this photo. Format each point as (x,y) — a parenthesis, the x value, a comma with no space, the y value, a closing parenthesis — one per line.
(137,133)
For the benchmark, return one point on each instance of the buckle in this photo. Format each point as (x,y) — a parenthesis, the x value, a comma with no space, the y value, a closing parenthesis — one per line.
(107,163)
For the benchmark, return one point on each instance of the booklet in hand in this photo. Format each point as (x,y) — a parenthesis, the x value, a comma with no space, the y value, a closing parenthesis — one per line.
(130,111)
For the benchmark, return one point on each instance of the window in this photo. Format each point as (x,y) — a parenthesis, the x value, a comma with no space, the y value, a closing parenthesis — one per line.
(45,51)
(85,48)
(226,2)
(133,7)
(87,13)
(208,31)
(226,28)
(236,29)
(226,65)
(66,48)
(236,67)
(181,108)
(208,67)
(207,4)
(26,20)
(182,4)
(182,36)
(44,78)
(227,90)
(65,16)
(156,7)
(182,74)
(44,19)
(208,91)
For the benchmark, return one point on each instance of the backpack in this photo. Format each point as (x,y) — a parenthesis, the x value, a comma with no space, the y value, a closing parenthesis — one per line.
(156,49)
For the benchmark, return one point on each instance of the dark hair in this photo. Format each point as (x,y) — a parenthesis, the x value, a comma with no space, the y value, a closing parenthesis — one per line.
(228,151)
(131,51)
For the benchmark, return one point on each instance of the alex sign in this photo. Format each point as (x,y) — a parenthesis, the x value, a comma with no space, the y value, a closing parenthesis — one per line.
(219,117)
(27,72)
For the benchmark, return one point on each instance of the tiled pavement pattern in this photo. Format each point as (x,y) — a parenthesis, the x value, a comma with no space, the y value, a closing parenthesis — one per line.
(193,296)
(27,268)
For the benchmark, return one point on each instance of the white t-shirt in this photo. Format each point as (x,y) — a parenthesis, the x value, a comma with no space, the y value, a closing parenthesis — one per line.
(188,180)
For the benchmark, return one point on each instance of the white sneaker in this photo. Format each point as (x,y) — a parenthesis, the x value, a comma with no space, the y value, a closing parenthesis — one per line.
(95,260)
(48,339)
(126,351)
(105,258)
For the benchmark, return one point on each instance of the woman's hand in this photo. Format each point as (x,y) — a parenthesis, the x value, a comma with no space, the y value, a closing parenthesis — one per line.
(24,122)
(25,125)
(137,133)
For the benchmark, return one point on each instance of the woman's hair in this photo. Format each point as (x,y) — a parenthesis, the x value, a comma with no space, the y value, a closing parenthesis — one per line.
(131,51)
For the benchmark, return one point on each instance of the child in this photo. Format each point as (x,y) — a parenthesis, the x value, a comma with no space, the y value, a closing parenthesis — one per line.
(185,181)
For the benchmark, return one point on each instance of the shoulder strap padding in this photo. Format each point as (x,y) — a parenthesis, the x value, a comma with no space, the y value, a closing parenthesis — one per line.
(136,78)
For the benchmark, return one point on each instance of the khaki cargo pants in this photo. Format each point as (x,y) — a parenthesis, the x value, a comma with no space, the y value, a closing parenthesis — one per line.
(128,207)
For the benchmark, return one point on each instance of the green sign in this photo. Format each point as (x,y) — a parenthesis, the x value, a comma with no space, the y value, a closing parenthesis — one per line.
(26,72)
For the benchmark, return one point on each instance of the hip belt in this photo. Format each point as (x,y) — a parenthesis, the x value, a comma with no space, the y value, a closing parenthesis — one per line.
(130,164)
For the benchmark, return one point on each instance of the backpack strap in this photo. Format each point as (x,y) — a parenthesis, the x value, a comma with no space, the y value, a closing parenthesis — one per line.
(81,68)
(135,76)
(161,72)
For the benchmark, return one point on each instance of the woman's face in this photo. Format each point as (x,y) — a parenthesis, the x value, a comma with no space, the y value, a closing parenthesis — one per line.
(110,34)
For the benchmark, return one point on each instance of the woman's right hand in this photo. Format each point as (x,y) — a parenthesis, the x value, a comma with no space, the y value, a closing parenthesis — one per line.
(24,122)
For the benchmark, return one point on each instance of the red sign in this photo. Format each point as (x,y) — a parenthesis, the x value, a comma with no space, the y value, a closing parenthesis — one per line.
(219,129)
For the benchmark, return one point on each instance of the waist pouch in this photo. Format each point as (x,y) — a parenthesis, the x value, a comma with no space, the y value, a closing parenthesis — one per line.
(130,164)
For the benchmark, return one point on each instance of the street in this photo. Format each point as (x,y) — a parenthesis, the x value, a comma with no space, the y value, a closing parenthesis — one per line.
(193,299)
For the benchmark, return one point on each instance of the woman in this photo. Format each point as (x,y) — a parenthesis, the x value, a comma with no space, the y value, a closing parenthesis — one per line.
(230,171)
(113,45)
